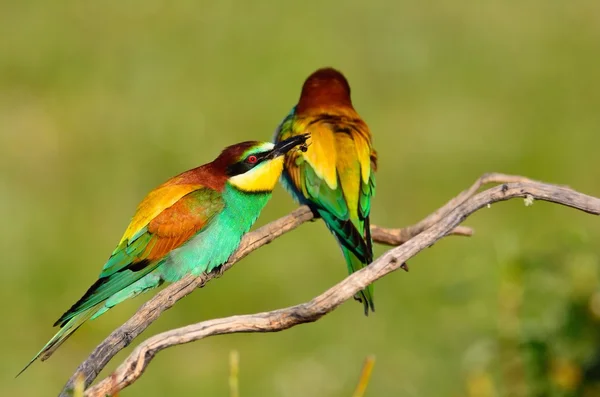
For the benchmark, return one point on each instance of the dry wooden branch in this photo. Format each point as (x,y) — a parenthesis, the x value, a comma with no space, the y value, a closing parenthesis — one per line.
(134,365)
(152,309)
(277,320)
(165,299)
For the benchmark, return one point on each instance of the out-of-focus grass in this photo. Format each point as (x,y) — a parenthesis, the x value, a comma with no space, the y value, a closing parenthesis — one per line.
(365,377)
(234,370)
(102,101)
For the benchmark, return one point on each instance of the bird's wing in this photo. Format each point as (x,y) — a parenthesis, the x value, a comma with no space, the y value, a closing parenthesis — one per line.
(153,204)
(164,220)
(167,218)
(335,174)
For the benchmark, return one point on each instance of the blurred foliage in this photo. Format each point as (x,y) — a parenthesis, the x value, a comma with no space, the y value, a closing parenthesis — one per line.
(102,101)
(548,342)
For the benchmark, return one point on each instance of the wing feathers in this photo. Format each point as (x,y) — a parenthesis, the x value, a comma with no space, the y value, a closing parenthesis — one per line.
(336,174)
(340,155)
(157,201)
(168,230)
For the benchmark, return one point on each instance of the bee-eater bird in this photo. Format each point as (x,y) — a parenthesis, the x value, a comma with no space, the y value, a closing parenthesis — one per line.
(335,176)
(188,225)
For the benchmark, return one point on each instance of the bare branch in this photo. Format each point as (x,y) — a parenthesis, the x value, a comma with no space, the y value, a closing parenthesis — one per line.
(277,320)
(165,299)
(151,310)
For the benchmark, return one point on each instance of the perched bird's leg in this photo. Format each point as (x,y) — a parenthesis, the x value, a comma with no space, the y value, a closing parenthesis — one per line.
(219,270)
(316,215)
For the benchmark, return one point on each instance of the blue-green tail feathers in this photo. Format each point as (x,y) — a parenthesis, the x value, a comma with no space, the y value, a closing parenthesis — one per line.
(366,295)
(65,331)
(105,293)
(348,236)
(107,286)
(357,249)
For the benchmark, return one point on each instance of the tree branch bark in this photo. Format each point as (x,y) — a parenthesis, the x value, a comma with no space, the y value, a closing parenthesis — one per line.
(166,298)
(443,222)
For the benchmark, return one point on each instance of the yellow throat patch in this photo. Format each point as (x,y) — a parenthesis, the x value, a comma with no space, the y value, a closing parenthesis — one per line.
(261,178)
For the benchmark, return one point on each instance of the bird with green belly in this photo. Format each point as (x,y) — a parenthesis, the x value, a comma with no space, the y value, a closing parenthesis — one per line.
(335,177)
(190,224)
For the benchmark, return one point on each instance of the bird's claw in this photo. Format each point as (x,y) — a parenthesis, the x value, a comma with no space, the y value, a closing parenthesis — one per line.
(404,267)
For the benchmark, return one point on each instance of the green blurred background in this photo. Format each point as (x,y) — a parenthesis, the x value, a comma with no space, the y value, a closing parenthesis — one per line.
(102,101)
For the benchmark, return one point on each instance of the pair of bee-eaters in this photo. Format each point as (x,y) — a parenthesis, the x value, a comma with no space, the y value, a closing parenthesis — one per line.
(193,222)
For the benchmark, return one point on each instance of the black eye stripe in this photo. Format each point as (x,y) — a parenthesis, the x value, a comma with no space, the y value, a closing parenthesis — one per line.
(259,157)
(244,166)
(238,168)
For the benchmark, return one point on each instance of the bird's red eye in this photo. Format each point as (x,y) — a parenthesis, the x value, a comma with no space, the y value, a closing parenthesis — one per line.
(252,159)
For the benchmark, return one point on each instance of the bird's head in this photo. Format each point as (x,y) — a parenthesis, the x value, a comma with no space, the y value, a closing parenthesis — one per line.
(324,87)
(256,166)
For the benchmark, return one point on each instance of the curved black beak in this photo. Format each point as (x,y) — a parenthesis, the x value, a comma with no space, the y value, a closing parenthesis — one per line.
(286,145)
